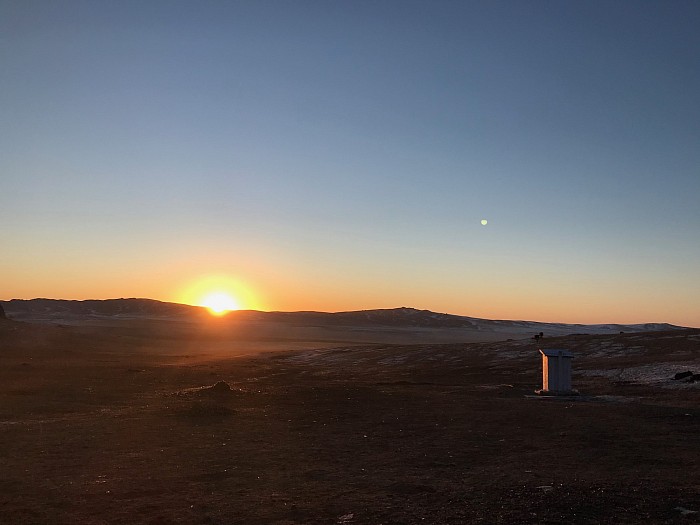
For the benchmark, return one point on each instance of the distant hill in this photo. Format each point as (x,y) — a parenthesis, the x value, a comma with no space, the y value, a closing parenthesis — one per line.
(411,317)
(62,310)
(59,311)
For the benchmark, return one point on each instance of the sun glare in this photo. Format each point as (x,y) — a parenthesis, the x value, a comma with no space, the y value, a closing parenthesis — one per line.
(219,294)
(219,303)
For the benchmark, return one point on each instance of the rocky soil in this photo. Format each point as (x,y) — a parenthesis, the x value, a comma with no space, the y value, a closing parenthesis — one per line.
(103,426)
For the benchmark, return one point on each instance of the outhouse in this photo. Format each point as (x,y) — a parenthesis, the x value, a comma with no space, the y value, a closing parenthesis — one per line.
(556,372)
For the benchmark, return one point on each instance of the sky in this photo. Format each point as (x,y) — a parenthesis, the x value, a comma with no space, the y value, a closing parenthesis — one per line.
(341,155)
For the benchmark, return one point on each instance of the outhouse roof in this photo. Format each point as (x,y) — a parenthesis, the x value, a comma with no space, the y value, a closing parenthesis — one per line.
(556,352)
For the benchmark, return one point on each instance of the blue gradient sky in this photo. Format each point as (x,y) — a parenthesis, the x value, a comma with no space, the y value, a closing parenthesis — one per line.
(340,155)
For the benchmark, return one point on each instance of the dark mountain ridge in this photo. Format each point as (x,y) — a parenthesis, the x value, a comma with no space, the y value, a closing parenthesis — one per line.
(67,311)
(58,308)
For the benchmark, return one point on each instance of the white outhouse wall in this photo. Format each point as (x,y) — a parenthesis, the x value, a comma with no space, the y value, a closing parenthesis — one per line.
(556,370)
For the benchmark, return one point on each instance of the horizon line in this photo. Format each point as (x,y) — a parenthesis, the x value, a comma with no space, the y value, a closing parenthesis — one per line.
(348,311)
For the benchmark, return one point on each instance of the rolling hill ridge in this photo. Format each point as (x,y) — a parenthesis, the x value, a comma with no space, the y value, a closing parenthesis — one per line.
(61,311)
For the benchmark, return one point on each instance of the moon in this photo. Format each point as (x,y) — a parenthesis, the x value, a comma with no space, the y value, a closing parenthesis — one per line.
(484,222)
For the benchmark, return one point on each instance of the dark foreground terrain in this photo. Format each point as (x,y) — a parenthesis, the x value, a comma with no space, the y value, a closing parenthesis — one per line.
(121,425)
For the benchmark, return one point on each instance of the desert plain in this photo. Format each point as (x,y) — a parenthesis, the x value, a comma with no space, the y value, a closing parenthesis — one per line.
(163,422)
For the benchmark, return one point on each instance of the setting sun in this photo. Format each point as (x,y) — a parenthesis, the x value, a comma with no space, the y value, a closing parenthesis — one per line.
(219,303)
(219,293)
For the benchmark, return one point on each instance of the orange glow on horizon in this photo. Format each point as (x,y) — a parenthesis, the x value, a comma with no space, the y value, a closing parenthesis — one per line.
(219,303)
(220,294)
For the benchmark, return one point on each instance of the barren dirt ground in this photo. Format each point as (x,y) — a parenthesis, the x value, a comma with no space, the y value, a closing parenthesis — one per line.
(117,426)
